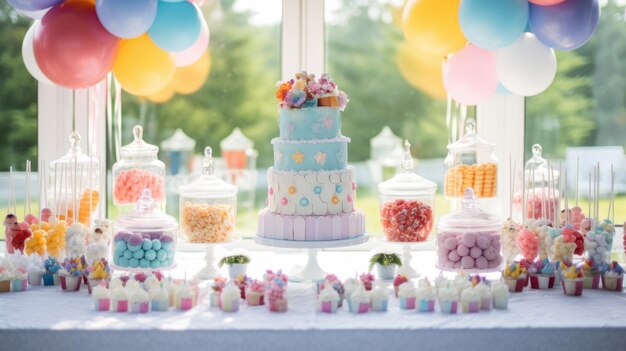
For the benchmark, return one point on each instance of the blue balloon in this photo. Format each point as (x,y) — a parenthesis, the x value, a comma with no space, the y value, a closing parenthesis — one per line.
(176,27)
(501,90)
(565,26)
(491,24)
(33,5)
(126,19)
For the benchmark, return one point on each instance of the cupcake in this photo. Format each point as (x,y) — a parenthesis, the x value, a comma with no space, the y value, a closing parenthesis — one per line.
(101,297)
(5,279)
(448,298)
(35,268)
(19,279)
(407,296)
(591,274)
(542,274)
(172,288)
(470,300)
(99,272)
(277,296)
(367,279)
(349,286)
(72,273)
(613,277)
(379,298)
(116,283)
(328,300)
(336,284)
(440,282)
(139,301)
(425,296)
(230,297)
(132,284)
(51,275)
(462,282)
(216,289)
(500,292)
(242,282)
(159,298)
(514,276)
(397,281)
(151,282)
(119,300)
(185,297)
(255,292)
(485,295)
(359,300)
(572,281)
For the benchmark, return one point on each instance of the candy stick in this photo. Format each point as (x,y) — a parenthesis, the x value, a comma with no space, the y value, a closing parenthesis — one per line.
(524,198)
(577,174)
(589,198)
(543,196)
(566,208)
(12,189)
(54,198)
(612,189)
(532,178)
(598,191)
(25,188)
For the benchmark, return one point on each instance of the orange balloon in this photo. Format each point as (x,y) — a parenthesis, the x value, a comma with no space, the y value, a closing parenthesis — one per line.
(422,70)
(163,95)
(189,79)
(141,67)
(433,26)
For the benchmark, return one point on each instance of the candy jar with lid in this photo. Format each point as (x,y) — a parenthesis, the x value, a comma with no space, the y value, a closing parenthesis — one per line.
(407,203)
(208,207)
(471,163)
(469,238)
(145,238)
(75,180)
(138,169)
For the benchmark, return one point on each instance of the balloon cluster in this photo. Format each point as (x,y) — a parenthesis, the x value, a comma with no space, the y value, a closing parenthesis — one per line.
(511,42)
(150,45)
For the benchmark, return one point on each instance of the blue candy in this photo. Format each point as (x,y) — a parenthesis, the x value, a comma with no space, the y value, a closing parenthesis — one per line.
(138,254)
(168,262)
(156,245)
(166,246)
(150,255)
(161,255)
(143,263)
(124,262)
(134,248)
(116,260)
(120,246)
(155,264)
(170,254)
(147,244)
(133,263)
(128,254)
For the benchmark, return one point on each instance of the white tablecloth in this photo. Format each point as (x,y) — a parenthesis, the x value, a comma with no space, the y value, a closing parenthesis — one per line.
(44,318)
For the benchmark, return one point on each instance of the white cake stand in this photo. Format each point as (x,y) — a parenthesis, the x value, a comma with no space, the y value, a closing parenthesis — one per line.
(406,269)
(209,271)
(312,271)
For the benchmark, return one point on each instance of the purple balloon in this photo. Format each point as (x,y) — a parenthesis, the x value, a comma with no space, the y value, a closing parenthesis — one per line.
(33,5)
(565,26)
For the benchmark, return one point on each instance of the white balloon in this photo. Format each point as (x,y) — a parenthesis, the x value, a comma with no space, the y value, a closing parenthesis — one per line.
(28,55)
(33,14)
(526,67)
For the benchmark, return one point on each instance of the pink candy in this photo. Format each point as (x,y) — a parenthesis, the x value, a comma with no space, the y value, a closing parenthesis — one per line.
(129,184)
(535,205)
(469,250)
(528,243)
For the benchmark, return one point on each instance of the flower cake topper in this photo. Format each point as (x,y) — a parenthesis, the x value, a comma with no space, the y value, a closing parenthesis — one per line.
(307,91)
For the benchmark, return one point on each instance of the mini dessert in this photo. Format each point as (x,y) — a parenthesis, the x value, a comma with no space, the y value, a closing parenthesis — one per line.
(514,277)
(51,275)
(425,296)
(379,298)
(571,235)
(216,290)
(336,284)
(563,247)
(613,277)
(72,274)
(598,245)
(350,285)
(528,243)
(255,293)
(367,279)
(277,296)
(35,268)
(96,250)
(485,295)
(462,282)
(185,297)
(151,282)
(270,276)
(480,177)
(509,240)
(36,243)
(99,272)
(440,282)
(397,281)
(132,284)
(328,300)
(159,298)
(241,281)
(542,274)
(19,280)
(572,281)
(359,301)
(76,240)
(230,298)
(448,299)
(541,229)
(470,300)
(591,274)
(139,301)
(500,292)
(119,300)
(407,296)
(5,278)
(101,297)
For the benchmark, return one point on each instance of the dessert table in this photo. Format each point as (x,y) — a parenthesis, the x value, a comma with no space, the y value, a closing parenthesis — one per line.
(44,318)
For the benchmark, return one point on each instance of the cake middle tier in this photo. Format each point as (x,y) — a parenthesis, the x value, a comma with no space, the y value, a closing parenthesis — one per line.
(311,193)
(310,123)
(311,155)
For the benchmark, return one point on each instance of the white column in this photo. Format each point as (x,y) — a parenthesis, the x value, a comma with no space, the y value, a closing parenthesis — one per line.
(303,37)
(291,53)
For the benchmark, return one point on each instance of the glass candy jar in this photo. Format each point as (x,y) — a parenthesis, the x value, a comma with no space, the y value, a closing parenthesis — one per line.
(145,238)
(471,163)
(138,169)
(469,238)
(407,204)
(208,207)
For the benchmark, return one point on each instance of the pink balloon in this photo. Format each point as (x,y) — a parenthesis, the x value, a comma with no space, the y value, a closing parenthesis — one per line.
(546,2)
(195,52)
(470,76)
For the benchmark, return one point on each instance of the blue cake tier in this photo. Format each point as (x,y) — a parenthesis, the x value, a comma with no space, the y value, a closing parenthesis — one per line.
(309,123)
(311,155)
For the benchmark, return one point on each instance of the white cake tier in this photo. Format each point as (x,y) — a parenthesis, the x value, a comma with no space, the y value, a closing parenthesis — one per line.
(311,193)
(311,228)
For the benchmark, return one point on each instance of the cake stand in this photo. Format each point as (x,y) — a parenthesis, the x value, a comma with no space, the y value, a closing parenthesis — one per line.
(406,269)
(312,271)
(209,271)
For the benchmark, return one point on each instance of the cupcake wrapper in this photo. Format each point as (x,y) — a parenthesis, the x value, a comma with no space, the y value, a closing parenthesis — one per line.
(230,305)
(380,305)
(140,307)
(5,286)
(120,306)
(407,303)
(426,306)
(471,306)
(449,307)
(277,305)
(538,281)
(255,299)
(19,285)
(102,304)
(34,279)
(515,285)
(572,287)
(485,303)
(612,284)
(501,303)
(70,283)
(328,306)
(591,281)
(160,305)
(186,304)
(214,299)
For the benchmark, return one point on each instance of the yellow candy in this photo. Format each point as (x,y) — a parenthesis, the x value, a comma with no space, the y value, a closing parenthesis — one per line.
(36,243)
(55,240)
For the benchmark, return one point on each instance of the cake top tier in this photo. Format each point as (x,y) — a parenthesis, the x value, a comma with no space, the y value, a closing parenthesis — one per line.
(307,91)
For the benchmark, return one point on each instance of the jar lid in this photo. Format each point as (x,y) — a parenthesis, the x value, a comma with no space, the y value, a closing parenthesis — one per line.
(75,155)
(146,216)
(469,217)
(236,141)
(406,182)
(470,141)
(208,185)
(179,141)
(138,147)
(537,168)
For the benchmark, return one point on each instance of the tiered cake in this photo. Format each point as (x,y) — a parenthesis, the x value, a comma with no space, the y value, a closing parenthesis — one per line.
(311,190)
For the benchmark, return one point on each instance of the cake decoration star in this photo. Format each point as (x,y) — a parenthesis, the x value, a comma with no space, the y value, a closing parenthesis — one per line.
(328,122)
(320,157)
(298,157)
(278,156)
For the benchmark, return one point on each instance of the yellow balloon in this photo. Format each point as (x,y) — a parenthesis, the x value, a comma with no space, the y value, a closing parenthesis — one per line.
(189,79)
(163,95)
(421,70)
(141,67)
(433,26)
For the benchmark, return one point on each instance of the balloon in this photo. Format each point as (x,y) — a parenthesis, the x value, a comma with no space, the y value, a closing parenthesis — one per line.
(176,27)
(189,79)
(126,19)
(141,67)
(565,26)
(493,24)
(172,0)
(33,14)
(470,76)
(546,2)
(33,5)
(199,2)
(421,69)
(193,54)
(527,67)
(163,95)
(28,55)
(433,26)
(502,90)
(72,48)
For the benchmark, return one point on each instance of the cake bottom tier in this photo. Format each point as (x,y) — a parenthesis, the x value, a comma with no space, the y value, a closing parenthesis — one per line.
(311,228)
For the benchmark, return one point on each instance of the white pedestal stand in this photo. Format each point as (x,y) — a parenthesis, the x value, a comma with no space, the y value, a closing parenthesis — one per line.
(407,256)
(312,271)
(209,271)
